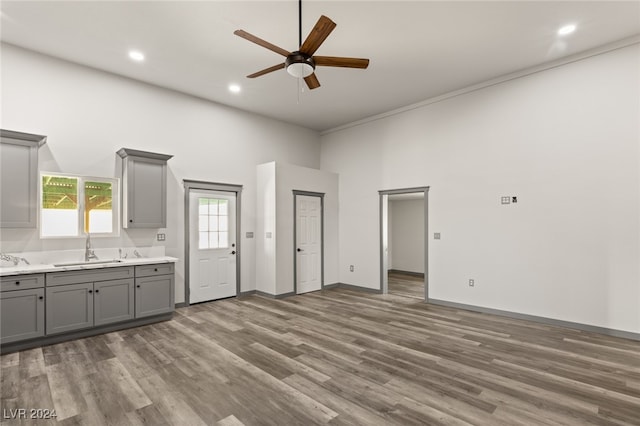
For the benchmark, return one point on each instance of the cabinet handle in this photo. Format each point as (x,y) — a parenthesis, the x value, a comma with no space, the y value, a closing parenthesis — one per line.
(17,282)
(130,220)
(97,291)
(138,286)
(155,270)
(41,297)
(90,291)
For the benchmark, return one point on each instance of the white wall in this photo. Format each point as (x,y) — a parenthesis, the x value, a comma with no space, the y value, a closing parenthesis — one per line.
(88,115)
(289,178)
(266,235)
(275,255)
(406,235)
(566,141)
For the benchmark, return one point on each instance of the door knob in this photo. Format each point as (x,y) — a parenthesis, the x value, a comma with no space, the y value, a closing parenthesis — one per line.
(300,249)
(233,252)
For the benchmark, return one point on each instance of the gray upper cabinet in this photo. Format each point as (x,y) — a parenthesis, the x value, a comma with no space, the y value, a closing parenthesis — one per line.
(144,189)
(19,179)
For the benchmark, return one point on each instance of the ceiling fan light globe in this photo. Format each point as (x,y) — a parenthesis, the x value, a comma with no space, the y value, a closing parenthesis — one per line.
(300,69)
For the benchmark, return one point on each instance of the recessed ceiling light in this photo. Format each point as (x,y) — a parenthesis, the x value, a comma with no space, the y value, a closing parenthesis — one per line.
(567,29)
(136,55)
(234,88)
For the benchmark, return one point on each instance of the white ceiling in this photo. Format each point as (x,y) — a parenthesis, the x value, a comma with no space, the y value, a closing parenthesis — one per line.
(418,49)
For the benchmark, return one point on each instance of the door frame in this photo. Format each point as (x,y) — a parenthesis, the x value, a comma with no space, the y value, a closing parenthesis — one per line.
(190,185)
(295,236)
(384,235)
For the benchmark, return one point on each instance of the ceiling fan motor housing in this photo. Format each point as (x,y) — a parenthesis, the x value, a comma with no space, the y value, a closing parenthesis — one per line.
(300,64)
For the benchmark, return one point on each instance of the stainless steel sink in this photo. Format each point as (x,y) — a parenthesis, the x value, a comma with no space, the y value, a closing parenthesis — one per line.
(88,263)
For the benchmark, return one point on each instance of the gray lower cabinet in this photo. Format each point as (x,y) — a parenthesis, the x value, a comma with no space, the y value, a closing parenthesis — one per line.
(155,290)
(69,307)
(21,315)
(86,298)
(77,306)
(36,306)
(113,301)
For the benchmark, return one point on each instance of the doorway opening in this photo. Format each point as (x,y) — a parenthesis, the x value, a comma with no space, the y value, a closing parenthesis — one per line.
(308,234)
(212,241)
(404,242)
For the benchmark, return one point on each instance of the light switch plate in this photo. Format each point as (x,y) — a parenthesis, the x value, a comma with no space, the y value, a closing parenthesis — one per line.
(161,237)
(436,236)
(249,234)
(268,234)
(506,200)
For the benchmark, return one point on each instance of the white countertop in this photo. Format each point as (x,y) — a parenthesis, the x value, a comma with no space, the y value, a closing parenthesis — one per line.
(42,268)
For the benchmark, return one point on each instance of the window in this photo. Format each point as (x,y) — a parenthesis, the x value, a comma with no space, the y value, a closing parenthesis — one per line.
(74,205)
(213,223)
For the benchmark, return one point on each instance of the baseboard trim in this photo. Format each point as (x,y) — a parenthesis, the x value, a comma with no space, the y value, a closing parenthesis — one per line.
(413,274)
(358,288)
(274,296)
(181,305)
(247,293)
(330,286)
(544,320)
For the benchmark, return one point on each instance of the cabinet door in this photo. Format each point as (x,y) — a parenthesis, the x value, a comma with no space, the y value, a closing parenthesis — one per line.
(18,184)
(113,301)
(69,307)
(21,315)
(146,205)
(154,295)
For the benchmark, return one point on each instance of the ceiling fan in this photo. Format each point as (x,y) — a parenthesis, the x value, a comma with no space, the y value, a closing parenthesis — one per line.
(302,63)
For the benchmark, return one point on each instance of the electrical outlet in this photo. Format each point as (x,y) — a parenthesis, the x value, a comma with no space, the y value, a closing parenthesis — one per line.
(161,237)
(249,234)
(505,200)
(436,236)
(472,282)
(351,268)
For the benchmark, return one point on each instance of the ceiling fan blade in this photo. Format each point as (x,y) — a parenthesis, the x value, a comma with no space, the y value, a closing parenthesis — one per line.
(335,61)
(266,71)
(318,34)
(312,81)
(260,42)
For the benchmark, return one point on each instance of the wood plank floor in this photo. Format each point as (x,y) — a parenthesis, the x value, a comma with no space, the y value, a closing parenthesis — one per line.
(406,285)
(334,357)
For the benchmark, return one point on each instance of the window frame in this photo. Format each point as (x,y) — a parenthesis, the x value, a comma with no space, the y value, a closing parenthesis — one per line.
(82,179)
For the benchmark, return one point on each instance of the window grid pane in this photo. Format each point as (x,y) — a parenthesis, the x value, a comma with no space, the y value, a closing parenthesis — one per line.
(213,223)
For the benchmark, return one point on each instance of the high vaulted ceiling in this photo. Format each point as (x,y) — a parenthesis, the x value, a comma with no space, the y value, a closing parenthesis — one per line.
(418,49)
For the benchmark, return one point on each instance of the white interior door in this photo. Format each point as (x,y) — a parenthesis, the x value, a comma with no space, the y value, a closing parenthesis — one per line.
(309,243)
(212,245)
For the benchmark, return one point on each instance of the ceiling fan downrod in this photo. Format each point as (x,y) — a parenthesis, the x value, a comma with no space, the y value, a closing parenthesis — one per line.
(299,23)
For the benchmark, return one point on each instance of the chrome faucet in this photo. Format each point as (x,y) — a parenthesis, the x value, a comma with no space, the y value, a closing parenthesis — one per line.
(13,259)
(88,251)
